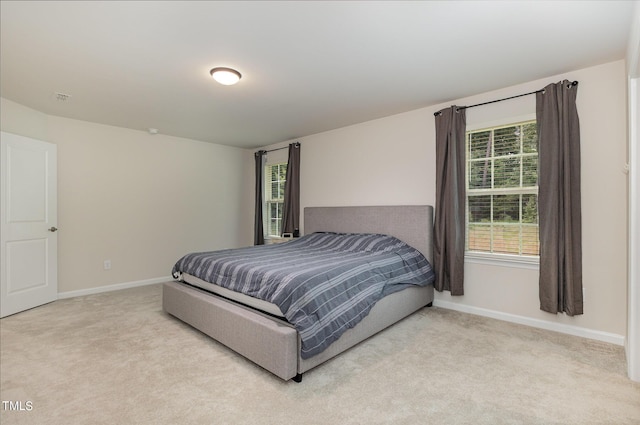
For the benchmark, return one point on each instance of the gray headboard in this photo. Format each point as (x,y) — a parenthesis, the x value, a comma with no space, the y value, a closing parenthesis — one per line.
(412,224)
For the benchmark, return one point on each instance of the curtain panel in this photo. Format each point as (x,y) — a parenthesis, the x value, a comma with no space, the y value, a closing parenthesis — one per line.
(449,221)
(258,228)
(291,213)
(559,199)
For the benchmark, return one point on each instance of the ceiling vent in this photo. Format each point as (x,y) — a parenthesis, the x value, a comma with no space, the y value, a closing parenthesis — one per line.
(62,97)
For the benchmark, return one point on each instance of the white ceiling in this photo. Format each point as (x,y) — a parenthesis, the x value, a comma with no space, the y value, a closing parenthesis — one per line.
(307,66)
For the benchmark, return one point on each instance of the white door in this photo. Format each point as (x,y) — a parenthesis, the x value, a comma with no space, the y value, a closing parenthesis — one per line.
(28,240)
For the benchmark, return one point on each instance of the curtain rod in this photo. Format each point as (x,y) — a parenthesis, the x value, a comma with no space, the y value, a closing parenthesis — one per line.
(262,152)
(435,114)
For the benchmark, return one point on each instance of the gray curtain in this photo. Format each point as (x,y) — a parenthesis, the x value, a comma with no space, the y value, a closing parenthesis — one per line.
(559,210)
(449,223)
(258,228)
(291,213)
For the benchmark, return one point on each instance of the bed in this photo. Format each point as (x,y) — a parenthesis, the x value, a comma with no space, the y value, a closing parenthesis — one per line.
(270,333)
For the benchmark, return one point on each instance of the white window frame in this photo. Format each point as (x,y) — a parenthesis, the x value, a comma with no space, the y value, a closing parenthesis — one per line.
(492,258)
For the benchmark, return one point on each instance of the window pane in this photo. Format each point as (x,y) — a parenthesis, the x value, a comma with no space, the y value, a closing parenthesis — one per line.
(506,141)
(274,218)
(283,171)
(506,208)
(479,237)
(480,209)
(530,240)
(507,172)
(530,138)
(530,208)
(506,239)
(529,171)
(480,174)
(480,145)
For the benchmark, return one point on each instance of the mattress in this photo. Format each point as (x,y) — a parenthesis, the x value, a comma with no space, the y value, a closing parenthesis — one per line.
(247,300)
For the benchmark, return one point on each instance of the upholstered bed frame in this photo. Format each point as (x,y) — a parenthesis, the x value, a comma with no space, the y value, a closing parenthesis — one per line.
(273,343)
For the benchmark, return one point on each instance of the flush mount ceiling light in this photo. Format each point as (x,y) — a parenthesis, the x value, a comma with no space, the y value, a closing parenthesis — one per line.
(226,76)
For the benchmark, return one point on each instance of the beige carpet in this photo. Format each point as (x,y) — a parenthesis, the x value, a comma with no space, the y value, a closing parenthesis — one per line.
(116,358)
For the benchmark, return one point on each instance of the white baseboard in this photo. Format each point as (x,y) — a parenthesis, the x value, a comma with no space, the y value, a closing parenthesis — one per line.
(114,287)
(535,323)
(507,317)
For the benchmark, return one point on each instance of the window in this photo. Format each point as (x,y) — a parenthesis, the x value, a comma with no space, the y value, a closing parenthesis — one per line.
(502,190)
(275,177)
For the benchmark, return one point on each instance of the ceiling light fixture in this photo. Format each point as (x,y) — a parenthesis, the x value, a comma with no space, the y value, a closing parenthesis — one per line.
(226,76)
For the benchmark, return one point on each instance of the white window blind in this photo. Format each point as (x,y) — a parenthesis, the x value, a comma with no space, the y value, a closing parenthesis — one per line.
(502,190)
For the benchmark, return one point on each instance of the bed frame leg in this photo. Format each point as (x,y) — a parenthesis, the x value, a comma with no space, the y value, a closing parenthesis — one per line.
(297,378)
(430,304)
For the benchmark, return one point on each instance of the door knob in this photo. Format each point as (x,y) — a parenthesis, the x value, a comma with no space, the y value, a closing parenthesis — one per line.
(53,229)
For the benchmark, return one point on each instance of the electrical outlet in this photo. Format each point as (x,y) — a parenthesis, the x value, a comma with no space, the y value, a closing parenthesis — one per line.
(107,264)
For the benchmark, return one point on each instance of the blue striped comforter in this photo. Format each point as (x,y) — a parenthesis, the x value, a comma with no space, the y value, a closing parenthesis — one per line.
(324,283)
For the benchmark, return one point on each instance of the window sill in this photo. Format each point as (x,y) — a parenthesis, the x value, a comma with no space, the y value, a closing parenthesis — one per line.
(275,239)
(503,260)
